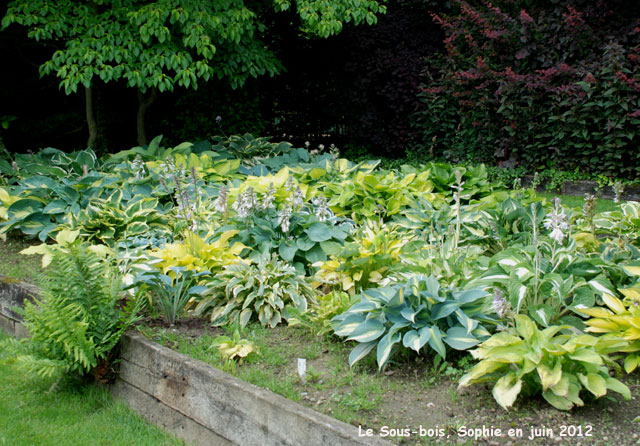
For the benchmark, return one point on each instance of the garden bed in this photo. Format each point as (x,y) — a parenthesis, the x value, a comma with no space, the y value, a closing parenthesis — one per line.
(194,400)
(406,396)
(407,266)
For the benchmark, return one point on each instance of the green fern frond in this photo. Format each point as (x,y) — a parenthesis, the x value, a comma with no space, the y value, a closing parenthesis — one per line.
(77,321)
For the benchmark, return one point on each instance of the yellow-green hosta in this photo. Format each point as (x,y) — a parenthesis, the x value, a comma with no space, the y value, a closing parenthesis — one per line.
(368,261)
(232,348)
(194,253)
(557,365)
(6,200)
(620,321)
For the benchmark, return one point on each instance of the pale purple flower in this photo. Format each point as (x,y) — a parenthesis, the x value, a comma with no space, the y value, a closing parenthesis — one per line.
(322,208)
(556,221)
(284,218)
(221,202)
(269,197)
(500,304)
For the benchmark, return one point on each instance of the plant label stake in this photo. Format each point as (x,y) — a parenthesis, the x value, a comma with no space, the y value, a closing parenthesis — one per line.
(302,369)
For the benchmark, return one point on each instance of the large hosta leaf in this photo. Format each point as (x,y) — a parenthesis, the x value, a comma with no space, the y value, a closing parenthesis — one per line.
(367,331)
(360,351)
(506,390)
(384,347)
(459,339)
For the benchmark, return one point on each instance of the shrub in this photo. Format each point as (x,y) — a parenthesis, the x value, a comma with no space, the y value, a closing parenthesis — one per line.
(535,83)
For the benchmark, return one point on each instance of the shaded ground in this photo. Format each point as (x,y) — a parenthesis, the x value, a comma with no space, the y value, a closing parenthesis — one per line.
(408,396)
(17,266)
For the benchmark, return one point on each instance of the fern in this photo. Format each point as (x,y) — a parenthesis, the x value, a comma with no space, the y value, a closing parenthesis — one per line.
(77,321)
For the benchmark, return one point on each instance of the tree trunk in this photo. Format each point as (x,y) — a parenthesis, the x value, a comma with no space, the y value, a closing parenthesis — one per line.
(144,102)
(91,118)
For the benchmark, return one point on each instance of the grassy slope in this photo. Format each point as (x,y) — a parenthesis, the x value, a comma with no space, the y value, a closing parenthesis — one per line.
(31,414)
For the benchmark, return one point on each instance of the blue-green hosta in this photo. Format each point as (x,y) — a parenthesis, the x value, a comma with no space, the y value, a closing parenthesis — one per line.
(50,162)
(278,217)
(531,361)
(413,315)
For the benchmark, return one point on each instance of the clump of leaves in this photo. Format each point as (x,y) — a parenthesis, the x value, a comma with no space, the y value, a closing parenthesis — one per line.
(171,292)
(276,216)
(326,307)
(232,348)
(197,254)
(365,263)
(384,193)
(620,321)
(267,289)
(412,315)
(528,360)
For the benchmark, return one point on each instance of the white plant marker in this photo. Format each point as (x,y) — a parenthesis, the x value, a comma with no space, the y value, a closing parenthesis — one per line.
(302,369)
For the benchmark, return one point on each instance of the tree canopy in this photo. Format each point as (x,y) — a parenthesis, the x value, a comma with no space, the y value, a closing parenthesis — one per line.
(160,44)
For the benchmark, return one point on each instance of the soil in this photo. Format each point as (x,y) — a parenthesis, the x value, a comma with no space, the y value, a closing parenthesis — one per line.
(425,411)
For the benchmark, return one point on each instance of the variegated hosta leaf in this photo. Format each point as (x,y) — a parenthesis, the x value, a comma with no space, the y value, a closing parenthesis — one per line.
(506,390)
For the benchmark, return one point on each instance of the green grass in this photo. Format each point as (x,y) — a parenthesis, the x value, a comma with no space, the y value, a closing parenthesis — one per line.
(32,414)
(347,391)
(18,266)
(573,201)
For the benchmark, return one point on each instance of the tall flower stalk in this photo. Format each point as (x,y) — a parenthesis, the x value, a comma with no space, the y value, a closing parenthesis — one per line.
(537,254)
(589,211)
(456,196)
(556,221)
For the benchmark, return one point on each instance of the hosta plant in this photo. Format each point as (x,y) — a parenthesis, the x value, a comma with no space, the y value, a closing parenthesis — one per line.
(319,315)
(197,254)
(376,194)
(365,263)
(556,362)
(413,315)
(234,347)
(620,321)
(112,218)
(548,281)
(267,290)
(281,219)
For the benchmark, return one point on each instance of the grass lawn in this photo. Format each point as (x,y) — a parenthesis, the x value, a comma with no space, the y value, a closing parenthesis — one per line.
(577,201)
(32,414)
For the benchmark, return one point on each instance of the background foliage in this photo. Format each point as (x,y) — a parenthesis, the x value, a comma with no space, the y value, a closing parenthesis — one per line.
(536,83)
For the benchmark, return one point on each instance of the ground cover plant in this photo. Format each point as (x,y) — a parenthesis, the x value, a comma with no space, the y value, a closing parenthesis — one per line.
(415,265)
